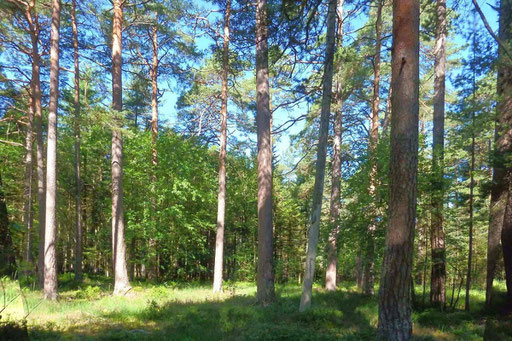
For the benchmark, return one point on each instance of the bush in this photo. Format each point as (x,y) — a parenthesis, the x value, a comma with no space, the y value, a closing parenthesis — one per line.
(89,293)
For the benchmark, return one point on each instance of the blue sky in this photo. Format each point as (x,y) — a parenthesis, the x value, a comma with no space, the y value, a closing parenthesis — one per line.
(168,102)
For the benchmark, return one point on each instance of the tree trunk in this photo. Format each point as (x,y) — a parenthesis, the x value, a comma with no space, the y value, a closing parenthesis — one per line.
(154,94)
(438,272)
(471,200)
(221,206)
(121,282)
(153,250)
(331,273)
(394,299)
(265,275)
(50,240)
(7,260)
(472,180)
(28,220)
(35,89)
(369,262)
(316,209)
(78,180)
(499,194)
(505,142)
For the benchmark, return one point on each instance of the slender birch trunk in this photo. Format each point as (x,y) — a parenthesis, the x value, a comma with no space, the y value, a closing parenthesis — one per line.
(316,209)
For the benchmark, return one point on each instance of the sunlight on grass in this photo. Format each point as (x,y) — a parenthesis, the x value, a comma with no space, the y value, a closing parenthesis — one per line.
(168,311)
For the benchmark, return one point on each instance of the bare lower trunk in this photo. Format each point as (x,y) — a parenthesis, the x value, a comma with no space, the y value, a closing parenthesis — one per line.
(121,282)
(506,241)
(332,249)
(221,205)
(331,274)
(50,240)
(497,210)
(265,276)
(78,180)
(369,262)
(394,293)
(316,209)
(438,272)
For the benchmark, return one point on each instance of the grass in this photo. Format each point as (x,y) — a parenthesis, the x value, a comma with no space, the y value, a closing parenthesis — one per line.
(87,311)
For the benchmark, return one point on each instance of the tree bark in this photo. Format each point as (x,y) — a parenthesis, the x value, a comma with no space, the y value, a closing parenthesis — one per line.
(499,192)
(78,179)
(121,282)
(505,133)
(316,209)
(221,205)
(369,262)
(35,89)
(331,274)
(153,252)
(394,299)
(50,240)
(265,276)
(438,271)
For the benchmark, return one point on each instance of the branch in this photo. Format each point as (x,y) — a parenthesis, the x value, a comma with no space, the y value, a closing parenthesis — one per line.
(16,144)
(491,32)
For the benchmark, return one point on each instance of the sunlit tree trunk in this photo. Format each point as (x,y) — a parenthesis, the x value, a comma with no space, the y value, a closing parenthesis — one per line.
(438,272)
(316,209)
(369,262)
(221,202)
(394,293)
(265,276)
(121,282)
(50,240)
(331,273)
(78,180)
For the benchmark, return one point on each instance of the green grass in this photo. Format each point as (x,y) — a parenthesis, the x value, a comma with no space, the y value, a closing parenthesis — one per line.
(191,312)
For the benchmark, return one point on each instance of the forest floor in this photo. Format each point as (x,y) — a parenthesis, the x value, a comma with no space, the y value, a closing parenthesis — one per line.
(191,312)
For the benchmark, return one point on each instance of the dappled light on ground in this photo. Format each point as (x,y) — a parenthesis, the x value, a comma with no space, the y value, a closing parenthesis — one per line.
(168,311)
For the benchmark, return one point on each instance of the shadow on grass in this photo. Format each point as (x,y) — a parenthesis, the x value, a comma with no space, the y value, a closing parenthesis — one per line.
(499,323)
(334,316)
(340,315)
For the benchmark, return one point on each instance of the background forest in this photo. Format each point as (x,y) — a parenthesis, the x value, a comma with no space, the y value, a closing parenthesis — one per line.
(141,149)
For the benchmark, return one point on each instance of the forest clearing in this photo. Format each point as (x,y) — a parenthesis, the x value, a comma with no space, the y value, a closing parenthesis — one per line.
(256,170)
